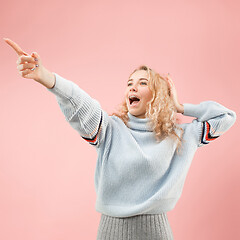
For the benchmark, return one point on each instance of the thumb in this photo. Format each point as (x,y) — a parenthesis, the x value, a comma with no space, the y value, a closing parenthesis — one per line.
(36,56)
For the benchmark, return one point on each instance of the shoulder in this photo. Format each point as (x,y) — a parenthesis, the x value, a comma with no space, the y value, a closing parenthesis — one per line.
(192,131)
(193,126)
(115,120)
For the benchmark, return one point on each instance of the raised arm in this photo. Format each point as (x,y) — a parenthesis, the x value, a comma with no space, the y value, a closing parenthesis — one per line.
(212,118)
(82,112)
(215,119)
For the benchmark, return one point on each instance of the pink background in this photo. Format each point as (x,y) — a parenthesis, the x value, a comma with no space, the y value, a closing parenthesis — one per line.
(47,170)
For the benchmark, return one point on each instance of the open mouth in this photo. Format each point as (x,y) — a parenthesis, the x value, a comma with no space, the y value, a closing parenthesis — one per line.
(133,100)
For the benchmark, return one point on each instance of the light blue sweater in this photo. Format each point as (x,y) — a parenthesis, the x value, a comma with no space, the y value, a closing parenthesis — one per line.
(134,173)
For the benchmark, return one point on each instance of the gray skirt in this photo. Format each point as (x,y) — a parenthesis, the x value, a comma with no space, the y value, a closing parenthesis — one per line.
(139,227)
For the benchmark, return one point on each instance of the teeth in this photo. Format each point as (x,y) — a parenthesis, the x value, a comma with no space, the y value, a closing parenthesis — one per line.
(133,97)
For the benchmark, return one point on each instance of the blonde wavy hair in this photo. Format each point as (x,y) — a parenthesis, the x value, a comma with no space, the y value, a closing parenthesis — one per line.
(160,110)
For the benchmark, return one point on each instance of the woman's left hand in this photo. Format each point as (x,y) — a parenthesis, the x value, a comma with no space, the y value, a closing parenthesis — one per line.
(173,95)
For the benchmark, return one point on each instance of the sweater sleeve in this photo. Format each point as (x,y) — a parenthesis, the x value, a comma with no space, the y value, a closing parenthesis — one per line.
(212,120)
(82,112)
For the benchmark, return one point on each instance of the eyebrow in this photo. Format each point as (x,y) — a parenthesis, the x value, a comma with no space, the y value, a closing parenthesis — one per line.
(139,79)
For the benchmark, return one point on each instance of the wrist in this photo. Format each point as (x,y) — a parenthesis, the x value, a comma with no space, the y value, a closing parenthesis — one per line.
(180,108)
(48,79)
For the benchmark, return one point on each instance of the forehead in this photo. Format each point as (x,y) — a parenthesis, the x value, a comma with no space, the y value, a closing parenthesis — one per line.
(139,74)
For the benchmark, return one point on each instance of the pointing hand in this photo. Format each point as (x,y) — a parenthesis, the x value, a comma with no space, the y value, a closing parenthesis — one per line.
(29,66)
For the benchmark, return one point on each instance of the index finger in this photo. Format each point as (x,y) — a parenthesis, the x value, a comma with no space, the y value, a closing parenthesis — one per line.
(15,46)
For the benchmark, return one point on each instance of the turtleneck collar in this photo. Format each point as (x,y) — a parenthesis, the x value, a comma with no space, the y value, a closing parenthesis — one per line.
(138,123)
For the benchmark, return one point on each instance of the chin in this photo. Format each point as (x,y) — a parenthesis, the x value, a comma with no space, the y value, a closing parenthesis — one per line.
(136,113)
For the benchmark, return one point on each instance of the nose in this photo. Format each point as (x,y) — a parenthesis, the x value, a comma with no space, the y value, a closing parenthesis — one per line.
(133,88)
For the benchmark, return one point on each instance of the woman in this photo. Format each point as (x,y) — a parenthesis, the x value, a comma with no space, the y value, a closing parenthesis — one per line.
(140,171)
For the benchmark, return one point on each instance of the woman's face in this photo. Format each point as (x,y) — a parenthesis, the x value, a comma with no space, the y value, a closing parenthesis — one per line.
(137,85)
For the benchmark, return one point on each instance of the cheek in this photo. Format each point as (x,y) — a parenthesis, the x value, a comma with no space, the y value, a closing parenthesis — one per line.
(147,95)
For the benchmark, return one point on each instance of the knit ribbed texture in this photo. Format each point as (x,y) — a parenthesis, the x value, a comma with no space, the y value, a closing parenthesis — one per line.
(141,227)
(135,174)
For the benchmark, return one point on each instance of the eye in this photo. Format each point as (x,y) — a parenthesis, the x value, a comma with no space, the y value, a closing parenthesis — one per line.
(144,83)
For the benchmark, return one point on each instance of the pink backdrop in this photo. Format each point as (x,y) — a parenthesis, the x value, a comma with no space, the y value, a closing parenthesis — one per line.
(46,169)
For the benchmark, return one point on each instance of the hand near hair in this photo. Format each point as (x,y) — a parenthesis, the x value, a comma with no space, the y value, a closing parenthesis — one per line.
(30,66)
(173,94)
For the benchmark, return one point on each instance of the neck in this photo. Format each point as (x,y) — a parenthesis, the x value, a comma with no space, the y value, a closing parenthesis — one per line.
(138,123)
